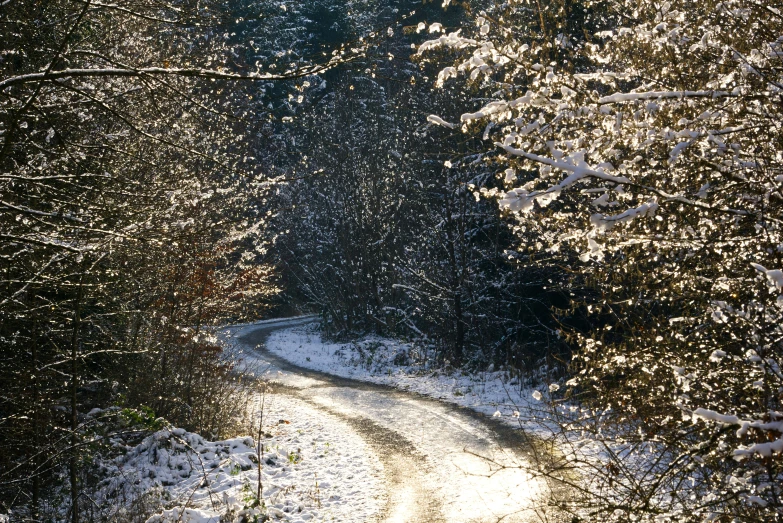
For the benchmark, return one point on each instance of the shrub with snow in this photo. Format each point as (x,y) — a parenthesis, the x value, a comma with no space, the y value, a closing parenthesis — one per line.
(651,149)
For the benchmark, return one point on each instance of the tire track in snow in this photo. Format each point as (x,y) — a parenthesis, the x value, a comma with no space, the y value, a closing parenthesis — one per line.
(429,449)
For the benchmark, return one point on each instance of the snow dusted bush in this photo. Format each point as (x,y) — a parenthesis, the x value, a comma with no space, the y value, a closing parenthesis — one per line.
(651,147)
(196,384)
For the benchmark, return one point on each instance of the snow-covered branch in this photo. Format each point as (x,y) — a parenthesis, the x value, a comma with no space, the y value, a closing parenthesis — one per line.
(654,95)
(152,71)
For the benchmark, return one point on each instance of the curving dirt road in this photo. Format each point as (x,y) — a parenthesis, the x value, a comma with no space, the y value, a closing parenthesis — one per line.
(441,463)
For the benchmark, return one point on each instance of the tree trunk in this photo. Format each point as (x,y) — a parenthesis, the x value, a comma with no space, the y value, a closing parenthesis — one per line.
(72,464)
(36,494)
(459,342)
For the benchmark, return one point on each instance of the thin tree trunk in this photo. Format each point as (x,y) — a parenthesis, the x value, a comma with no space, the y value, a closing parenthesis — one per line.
(192,346)
(36,494)
(260,449)
(72,465)
(460,341)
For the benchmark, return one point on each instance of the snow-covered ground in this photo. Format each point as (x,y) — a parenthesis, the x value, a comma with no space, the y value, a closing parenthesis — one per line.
(314,469)
(441,463)
(391,362)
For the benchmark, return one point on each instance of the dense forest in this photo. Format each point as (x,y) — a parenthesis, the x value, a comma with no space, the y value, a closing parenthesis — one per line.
(592,188)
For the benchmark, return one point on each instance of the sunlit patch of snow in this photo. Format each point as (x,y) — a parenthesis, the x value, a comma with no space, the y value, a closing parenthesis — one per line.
(485,392)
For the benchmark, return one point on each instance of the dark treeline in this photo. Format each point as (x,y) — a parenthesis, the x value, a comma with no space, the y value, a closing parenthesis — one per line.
(380,230)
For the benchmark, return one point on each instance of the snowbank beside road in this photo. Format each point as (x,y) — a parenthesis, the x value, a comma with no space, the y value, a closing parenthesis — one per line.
(390,362)
(314,469)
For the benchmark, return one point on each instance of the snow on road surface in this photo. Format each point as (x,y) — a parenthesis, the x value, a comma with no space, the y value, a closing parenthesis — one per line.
(440,463)
(373,360)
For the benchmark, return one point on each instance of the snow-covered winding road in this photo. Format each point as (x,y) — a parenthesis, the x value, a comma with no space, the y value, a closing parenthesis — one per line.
(441,463)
